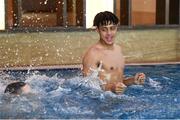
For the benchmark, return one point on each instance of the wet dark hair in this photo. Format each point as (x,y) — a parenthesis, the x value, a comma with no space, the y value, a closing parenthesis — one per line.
(15,88)
(105,18)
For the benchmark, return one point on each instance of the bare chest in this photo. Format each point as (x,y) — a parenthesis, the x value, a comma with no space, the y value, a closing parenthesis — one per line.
(112,61)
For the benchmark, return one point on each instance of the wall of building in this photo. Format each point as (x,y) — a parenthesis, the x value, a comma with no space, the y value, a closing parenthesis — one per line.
(67,48)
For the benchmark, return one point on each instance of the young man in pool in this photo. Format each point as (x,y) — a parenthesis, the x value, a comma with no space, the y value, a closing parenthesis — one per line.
(17,88)
(108,55)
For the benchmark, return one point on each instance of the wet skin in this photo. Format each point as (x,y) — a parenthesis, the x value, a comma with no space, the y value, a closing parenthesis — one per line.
(109,54)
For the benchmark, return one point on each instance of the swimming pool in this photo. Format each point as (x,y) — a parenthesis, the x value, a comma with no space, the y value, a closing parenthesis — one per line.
(64,94)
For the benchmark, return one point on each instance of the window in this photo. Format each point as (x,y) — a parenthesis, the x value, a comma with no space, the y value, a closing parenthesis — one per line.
(38,13)
(70,13)
(148,12)
(174,9)
(160,12)
(45,13)
(122,11)
(143,12)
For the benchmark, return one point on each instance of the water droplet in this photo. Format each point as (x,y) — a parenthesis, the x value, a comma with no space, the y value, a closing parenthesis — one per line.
(45,2)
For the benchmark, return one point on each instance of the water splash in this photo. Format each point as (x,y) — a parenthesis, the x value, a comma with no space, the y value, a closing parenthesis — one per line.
(154,84)
(55,97)
(93,80)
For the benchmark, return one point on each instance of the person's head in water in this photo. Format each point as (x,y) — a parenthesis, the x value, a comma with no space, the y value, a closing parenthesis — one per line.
(106,25)
(17,88)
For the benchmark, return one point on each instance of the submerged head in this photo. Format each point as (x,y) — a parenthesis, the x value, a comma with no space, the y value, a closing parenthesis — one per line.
(106,23)
(17,88)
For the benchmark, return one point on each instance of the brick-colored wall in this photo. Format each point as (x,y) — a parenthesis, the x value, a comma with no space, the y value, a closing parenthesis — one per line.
(65,48)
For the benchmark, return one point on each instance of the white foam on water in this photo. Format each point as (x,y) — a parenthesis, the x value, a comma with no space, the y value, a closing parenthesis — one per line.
(154,84)
(51,89)
(5,79)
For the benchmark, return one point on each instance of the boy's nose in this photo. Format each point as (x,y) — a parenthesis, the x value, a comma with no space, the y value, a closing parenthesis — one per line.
(109,32)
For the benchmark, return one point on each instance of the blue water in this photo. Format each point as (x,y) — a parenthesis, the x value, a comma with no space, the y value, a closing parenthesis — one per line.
(65,94)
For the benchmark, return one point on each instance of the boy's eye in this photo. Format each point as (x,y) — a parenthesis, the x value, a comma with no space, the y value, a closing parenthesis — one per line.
(103,29)
(113,28)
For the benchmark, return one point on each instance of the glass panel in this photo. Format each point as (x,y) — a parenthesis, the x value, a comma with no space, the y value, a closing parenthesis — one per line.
(10,14)
(117,11)
(44,13)
(143,12)
(160,11)
(71,12)
(38,13)
(74,12)
(174,12)
(124,12)
(79,12)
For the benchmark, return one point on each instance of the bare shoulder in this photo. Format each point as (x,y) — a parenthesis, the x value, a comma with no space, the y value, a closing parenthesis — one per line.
(92,50)
(91,53)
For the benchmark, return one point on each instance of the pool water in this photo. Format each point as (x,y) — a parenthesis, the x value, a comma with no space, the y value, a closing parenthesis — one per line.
(65,94)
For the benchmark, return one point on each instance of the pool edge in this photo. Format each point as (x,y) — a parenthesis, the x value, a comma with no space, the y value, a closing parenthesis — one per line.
(78,66)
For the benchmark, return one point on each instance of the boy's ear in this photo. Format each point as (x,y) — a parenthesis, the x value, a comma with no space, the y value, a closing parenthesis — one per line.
(97,29)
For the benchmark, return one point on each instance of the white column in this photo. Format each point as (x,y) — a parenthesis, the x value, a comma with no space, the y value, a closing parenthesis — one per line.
(95,6)
(2,15)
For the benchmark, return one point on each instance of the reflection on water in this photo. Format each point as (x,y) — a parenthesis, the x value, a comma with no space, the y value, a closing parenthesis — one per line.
(66,94)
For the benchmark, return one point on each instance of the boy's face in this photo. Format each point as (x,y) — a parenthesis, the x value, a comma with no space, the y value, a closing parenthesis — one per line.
(107,33)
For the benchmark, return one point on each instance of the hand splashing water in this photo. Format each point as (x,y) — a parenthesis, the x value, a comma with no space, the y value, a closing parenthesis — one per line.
(92,81)
(95,72)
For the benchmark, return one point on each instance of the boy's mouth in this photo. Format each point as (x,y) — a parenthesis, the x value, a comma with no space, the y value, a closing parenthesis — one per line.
(109,39)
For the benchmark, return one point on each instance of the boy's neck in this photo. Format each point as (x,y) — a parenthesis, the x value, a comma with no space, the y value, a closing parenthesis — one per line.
(107,46)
